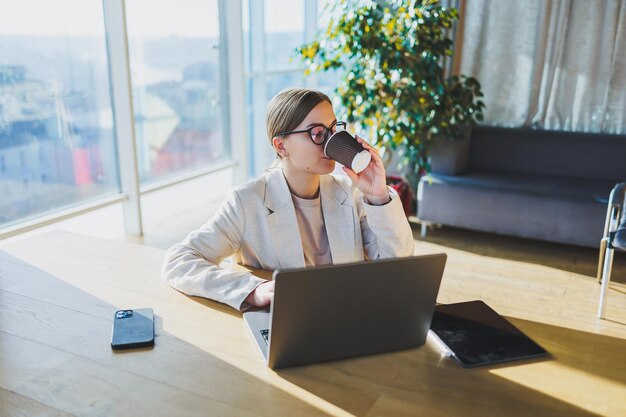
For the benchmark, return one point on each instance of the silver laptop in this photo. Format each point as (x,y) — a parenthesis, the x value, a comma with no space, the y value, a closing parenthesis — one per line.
(340,311)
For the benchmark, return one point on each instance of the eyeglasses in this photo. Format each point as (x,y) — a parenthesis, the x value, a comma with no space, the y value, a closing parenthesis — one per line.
(318,133)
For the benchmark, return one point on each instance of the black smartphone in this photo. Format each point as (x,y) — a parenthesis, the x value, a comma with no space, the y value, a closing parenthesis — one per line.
(132,329)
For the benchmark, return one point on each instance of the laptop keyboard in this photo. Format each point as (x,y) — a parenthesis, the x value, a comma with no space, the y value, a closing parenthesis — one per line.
(266,335)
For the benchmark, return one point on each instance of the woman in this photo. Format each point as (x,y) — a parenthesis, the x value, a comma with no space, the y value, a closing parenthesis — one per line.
(294,215)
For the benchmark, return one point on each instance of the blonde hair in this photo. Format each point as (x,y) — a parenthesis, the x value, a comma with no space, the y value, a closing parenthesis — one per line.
(288,109)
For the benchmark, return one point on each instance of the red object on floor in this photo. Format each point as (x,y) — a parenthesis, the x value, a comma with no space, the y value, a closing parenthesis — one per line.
(401,185)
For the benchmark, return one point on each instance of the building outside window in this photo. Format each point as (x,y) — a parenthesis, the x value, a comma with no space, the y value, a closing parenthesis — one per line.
(57,145)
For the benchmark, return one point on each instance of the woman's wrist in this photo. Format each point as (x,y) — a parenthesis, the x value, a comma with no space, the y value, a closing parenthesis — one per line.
(250,298)
(378,200)
(261,295)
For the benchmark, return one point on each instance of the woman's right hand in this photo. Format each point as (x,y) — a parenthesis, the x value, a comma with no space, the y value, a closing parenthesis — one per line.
(262,295)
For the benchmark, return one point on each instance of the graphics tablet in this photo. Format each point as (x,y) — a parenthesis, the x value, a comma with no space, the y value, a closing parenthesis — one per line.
(476,335)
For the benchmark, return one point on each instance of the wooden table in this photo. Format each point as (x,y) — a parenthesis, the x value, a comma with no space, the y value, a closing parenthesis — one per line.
(58,292)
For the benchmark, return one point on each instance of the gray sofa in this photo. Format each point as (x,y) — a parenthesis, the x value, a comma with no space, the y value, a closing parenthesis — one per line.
(538,184)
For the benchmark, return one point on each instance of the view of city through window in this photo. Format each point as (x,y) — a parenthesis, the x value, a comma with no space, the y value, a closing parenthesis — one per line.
(174,50)
(57,137)
(57,143)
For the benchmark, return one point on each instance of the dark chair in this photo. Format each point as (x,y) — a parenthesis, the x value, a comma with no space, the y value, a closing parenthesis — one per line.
(614,237)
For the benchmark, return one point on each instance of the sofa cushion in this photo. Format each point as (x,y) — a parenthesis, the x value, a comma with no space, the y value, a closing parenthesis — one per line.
(541,152)
(554,186)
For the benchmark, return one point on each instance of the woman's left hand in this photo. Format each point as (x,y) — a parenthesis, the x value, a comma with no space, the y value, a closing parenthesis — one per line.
(372,181)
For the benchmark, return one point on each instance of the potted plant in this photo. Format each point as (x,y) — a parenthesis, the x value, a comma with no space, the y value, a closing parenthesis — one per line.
(394,86)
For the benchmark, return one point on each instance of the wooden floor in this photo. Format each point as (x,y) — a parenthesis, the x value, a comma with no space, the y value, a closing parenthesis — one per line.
(532,280)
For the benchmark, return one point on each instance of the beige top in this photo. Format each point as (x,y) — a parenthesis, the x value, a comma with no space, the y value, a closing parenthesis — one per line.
(312,230)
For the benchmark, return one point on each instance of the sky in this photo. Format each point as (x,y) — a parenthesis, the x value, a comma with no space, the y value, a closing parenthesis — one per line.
(145,18)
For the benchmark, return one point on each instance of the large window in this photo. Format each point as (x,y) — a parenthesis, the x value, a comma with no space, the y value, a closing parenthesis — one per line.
(57,145)
(174,49)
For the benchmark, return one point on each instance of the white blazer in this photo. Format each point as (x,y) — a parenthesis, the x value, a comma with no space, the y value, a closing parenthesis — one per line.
(257,224)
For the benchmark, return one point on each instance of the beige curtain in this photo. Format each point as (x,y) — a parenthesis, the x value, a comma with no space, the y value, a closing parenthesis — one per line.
(550,64)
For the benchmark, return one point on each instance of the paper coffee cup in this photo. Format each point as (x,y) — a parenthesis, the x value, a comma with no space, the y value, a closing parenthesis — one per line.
(345,149)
